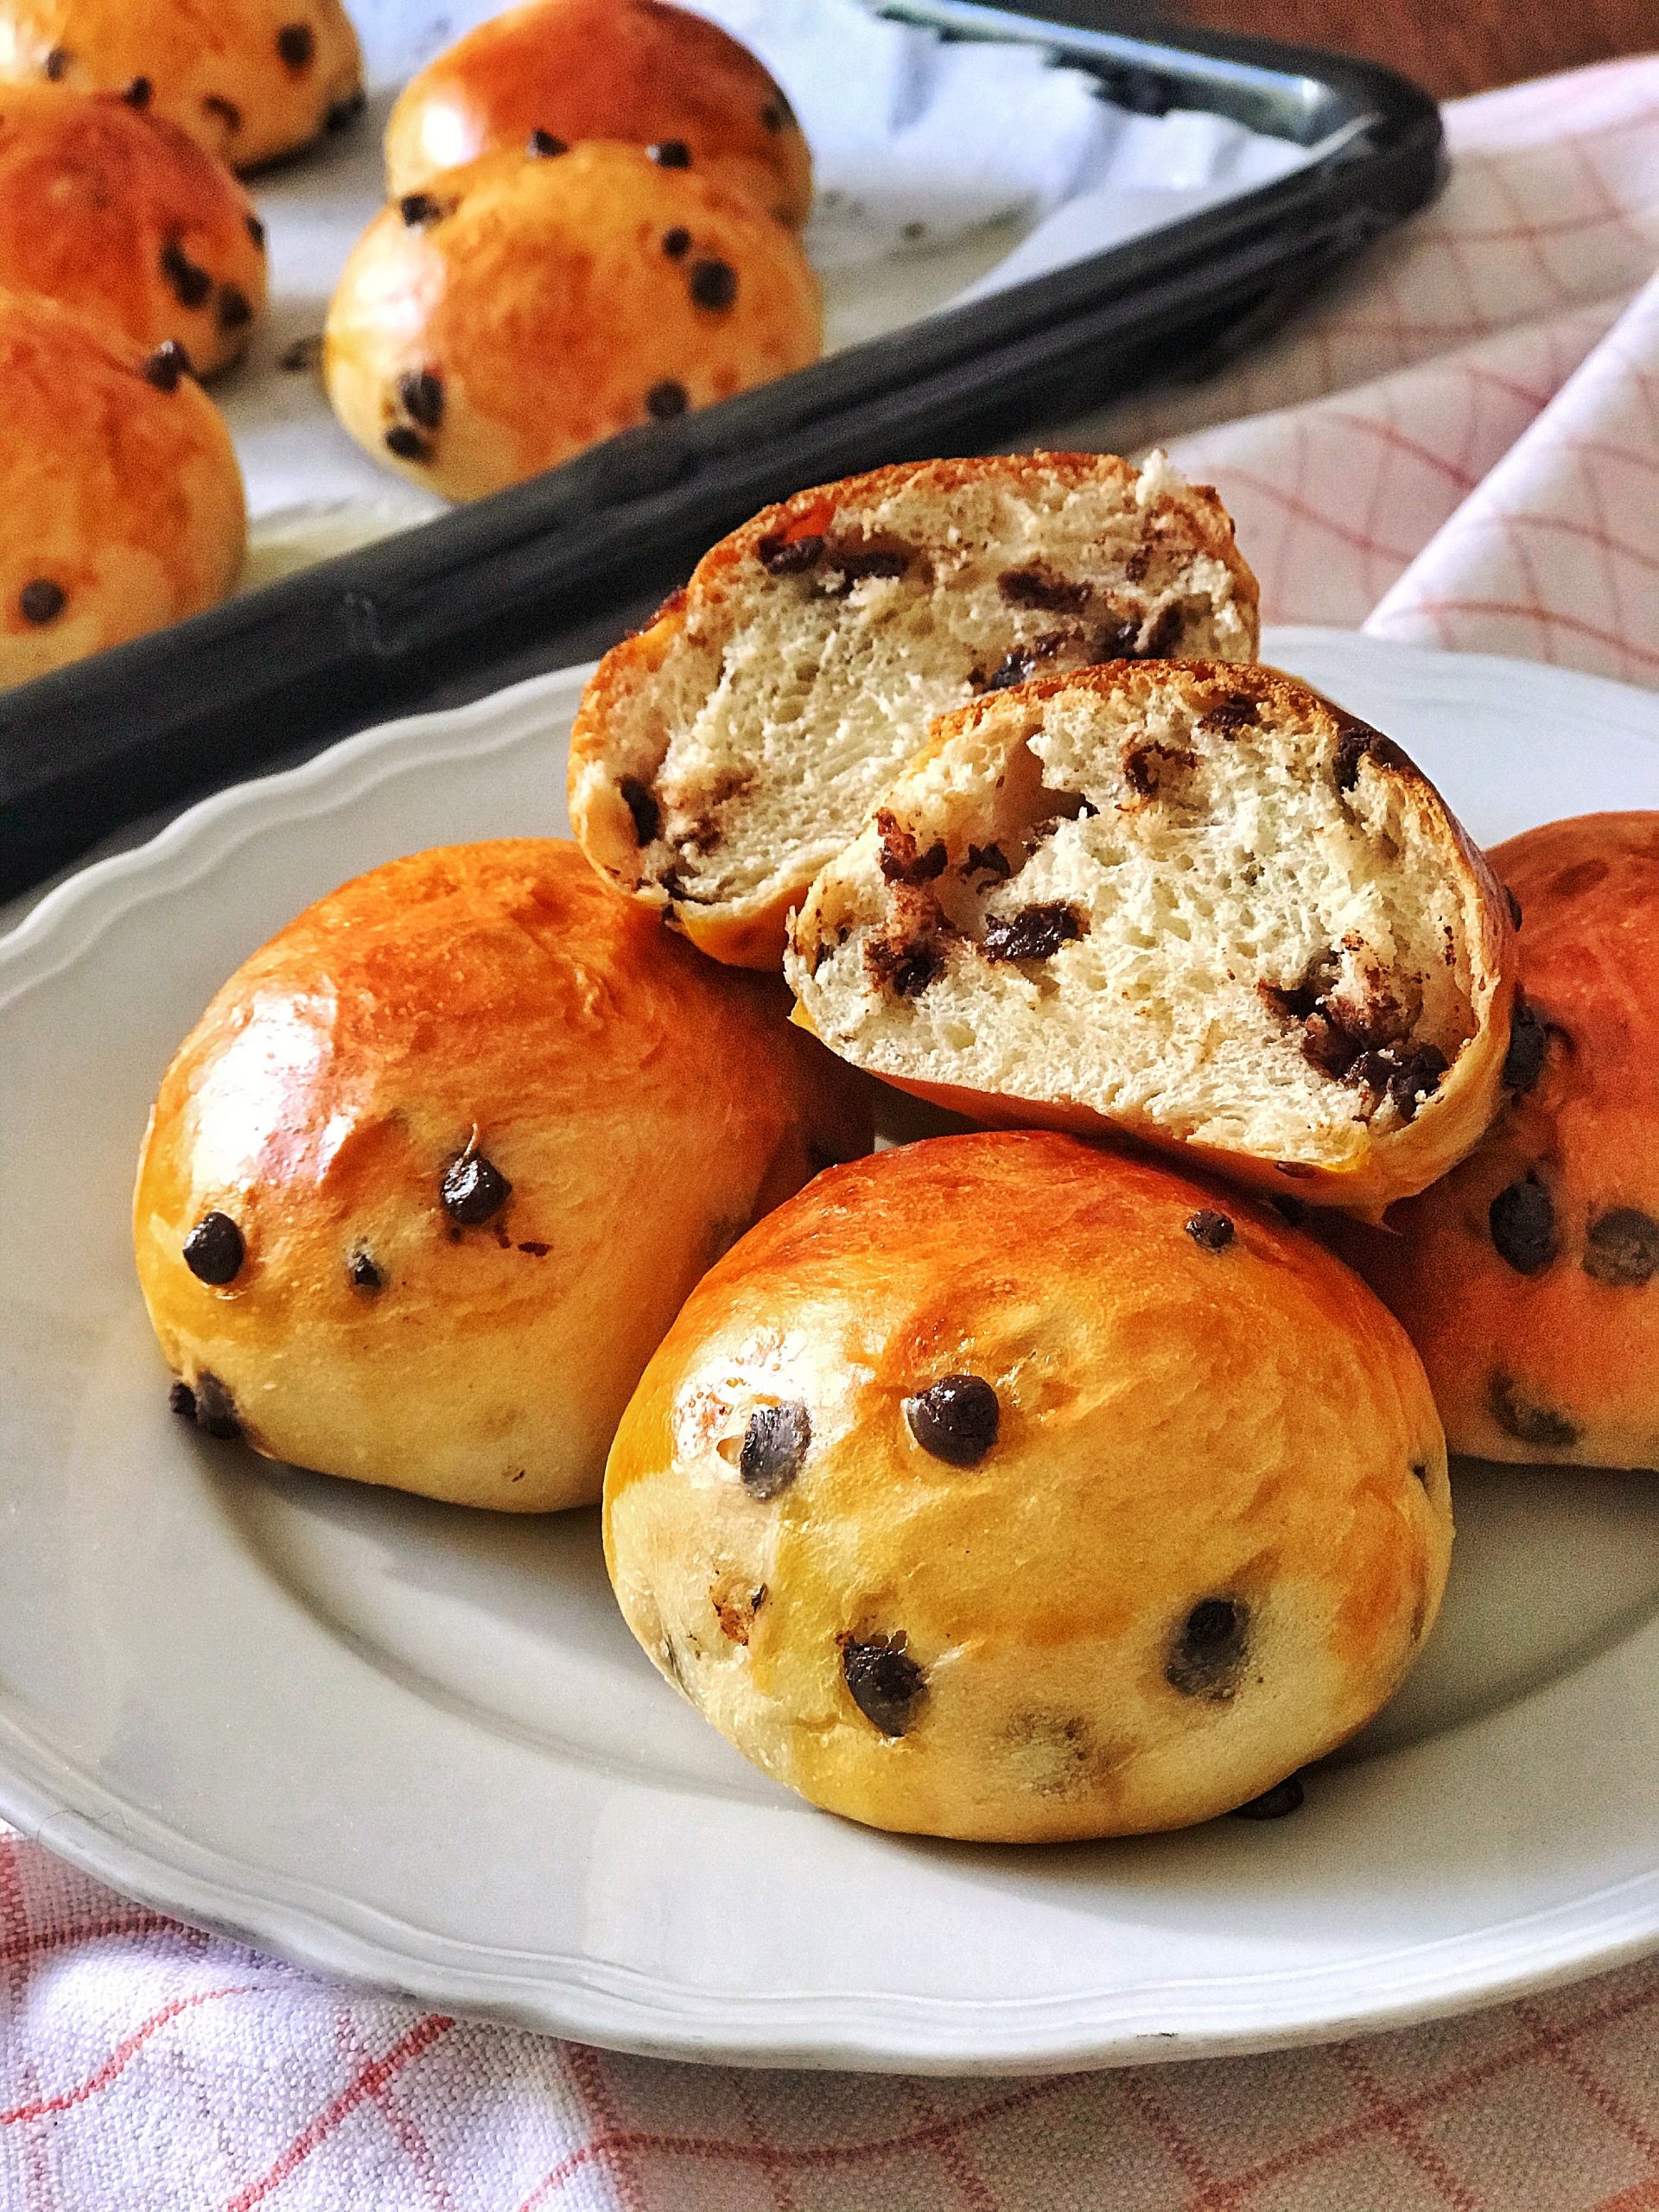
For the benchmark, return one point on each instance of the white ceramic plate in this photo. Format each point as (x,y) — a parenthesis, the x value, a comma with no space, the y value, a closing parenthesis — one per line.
(410,1744)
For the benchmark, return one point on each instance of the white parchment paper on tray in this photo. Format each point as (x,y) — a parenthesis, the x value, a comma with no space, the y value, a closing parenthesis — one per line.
(944,169)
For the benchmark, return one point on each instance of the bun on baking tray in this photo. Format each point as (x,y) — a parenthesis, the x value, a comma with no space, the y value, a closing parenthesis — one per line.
(1002,1487)
(111,209)
(521,309)
(249,80)
(431,1176)
(1193,903)
(121,505)
(1528,1280)
(723,755)
(633,70)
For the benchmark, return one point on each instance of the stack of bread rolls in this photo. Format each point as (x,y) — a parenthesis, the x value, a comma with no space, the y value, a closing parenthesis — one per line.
(1053,1479)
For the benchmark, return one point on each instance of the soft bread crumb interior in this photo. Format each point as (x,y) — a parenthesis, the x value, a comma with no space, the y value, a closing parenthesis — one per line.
(783,711)
(1222,932)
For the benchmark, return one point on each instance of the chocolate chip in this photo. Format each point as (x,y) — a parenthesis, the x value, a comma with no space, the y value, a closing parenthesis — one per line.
(641,803)
(304,353)
(901,859)
(988,859)
(537,1251)
(670,154)
(139,93)
(1230,714)
(257,232)
(1622,1248)
(773,117)
(788,556)
(1287,1796)
(1525,1419)
(214,1250)
(848,568)
(297,45)
(677,243)
(181,1400)
(1213,1231)
(1293,1210)
(215,1408)
(1358,742)
(1144,765)
(1528,1045)
(884,1681)
(1403,1075)
(421,394)
(543,146)
(1522,1222)
(234,309)
(417,208)
(1040,588)
(42,600)
(954,1419)
(407,444)
(907,966)
(774,1445)
(1035,933)
(1163,632)
(363,1273)
(713,284)
(1208,1649)
(1515,906)
(57,63)
(165,366)
(1016,667)
(346,111)
(474,1190)
(666,400)
(1419,1468)
(231,116)
(190,285)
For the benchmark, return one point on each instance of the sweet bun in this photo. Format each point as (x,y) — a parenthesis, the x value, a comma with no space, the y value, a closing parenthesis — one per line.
(1528,1280)
(249,80)
(430,1177)
(633,70)
(524,308)
(121,505)
(1194,903)
(724,754)
(1001,1488)
(108,209)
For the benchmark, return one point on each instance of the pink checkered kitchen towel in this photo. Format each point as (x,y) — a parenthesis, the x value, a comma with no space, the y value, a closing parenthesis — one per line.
(1462,450)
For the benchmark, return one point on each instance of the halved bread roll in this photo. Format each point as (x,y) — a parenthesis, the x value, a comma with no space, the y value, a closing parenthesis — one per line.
(1197,904)
(724,754)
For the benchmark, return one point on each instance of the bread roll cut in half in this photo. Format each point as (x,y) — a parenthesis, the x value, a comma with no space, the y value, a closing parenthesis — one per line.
(428,1180)
(724,754)
(1001,1488)
(1195,903)
(1528,1280)
(633,70)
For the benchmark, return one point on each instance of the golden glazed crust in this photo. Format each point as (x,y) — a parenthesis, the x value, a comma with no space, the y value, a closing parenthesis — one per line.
(1233,1423)
(112,210)
(521,310)
(491,1003)
(1528,1279)
(632,70)
(249,80)
(122,499)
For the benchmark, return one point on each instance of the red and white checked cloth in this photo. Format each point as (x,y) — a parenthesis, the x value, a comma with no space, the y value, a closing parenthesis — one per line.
(1461,448)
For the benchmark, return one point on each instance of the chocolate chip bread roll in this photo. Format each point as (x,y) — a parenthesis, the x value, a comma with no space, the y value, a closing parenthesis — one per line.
(108,209)
(723,755)
(1197,904)
(430,1177)
(1528,1280)
(515,311)
(1001,1488)
(564,70)
(249,80)
(121,505)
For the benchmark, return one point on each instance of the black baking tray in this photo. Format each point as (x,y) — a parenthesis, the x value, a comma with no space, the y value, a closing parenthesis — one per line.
(555,569)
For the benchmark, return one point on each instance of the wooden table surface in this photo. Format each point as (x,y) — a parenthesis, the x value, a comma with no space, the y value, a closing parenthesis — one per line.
(1450,45)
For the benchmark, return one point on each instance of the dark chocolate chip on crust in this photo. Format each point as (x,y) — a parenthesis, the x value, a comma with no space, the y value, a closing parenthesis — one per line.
(1035,933)
(41,600)
(773,116)
(473,1190)
(215,1408)
(1284,1797)
(363,1273)
(346,111)
(1527,1419)
(670,154)
(713,284)
(884,1681)
(1358,742)
(297,45)
(677,243)
(188,284)
(407,443)
(139,93)
(1038,587)
(1523,1062)
(667,398)
(56,64)
(1208,1649)
(775,1445)
(420,392)
(956,1419)
(215,1249)
(231,116)
(234,309)
(788,556)
(418,208)
(1621,1247)
(257,232)
(1515,906)
(1211,1231)
(545,146)
(641,803)
(1522,1218)
(181,1400)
